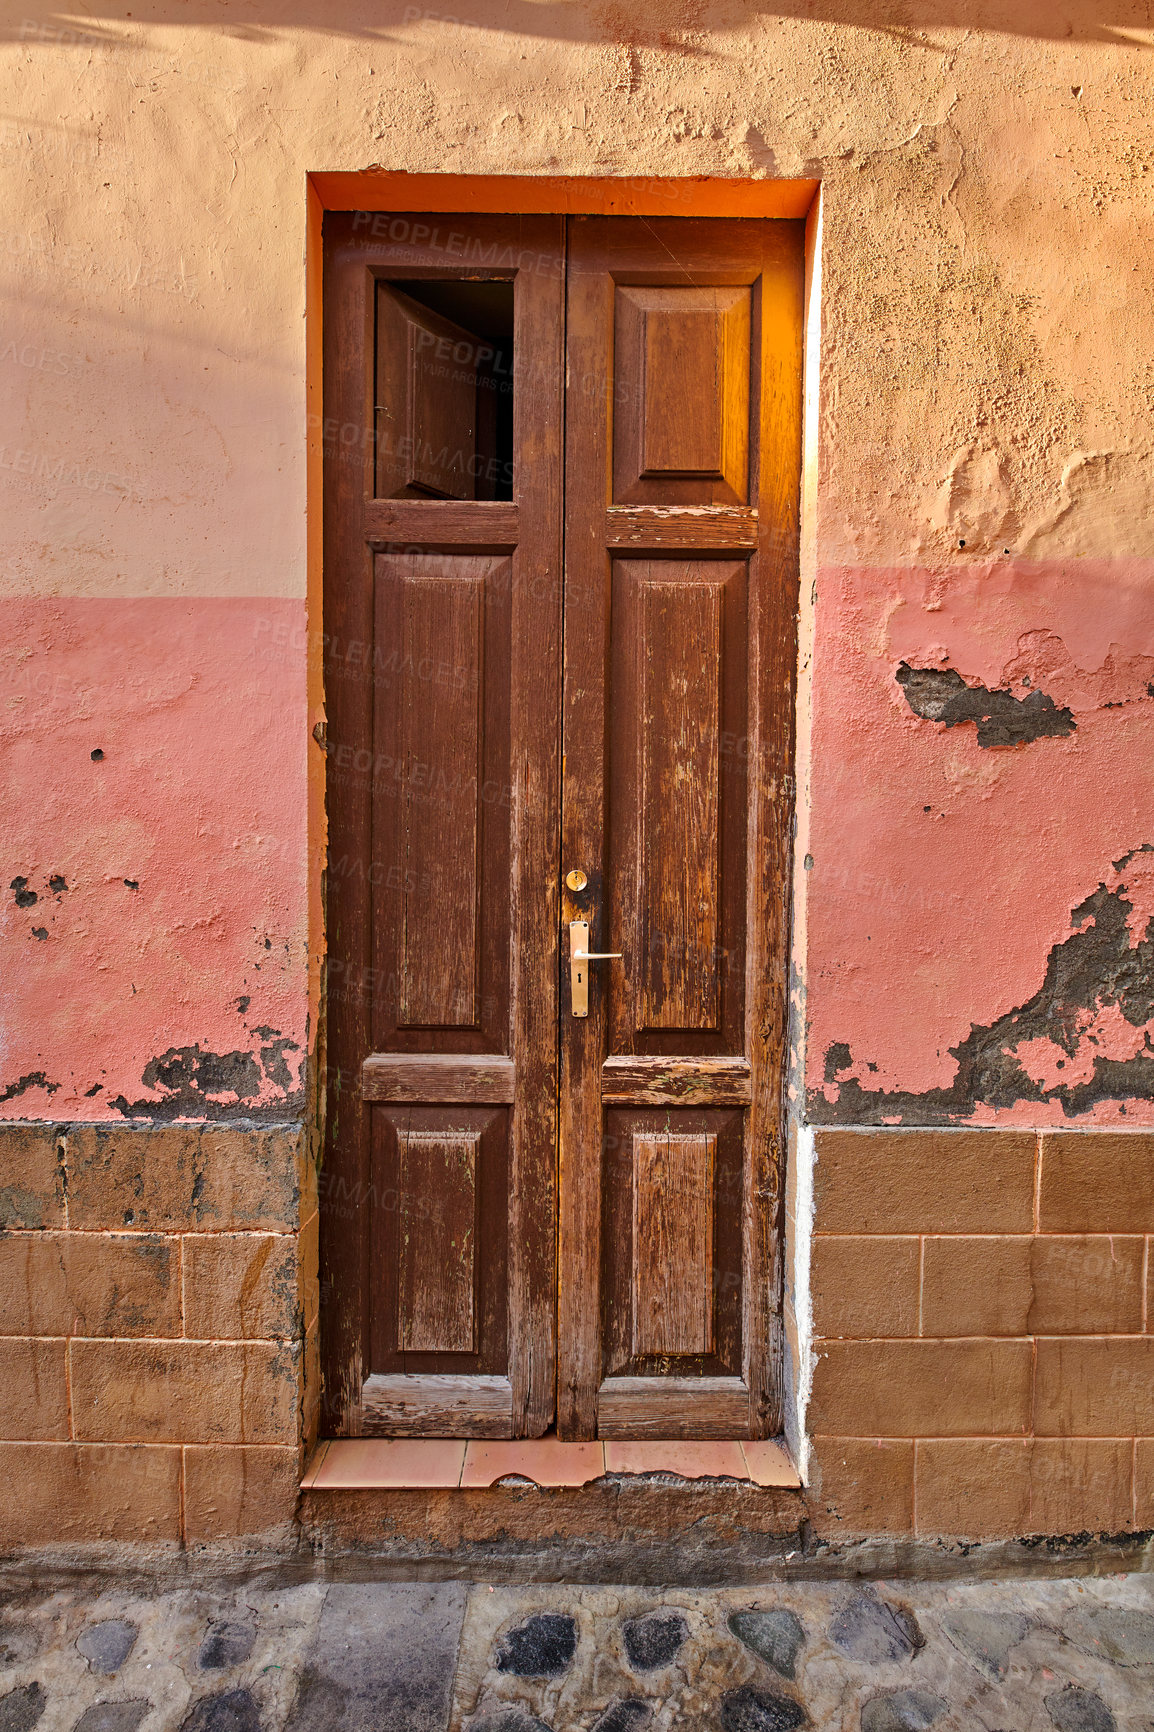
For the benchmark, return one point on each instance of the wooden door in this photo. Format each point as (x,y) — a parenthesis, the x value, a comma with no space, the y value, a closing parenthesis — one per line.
(456,1072)
(681,531)
(442,667)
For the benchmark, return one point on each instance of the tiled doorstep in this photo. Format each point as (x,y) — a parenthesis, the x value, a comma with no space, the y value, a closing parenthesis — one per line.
(365,1464)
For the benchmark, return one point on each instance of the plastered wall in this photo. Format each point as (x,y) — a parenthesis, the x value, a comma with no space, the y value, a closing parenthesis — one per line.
(975,873)
(982,512)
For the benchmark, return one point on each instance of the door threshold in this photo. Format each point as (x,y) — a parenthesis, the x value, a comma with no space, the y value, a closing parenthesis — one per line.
(407,1463)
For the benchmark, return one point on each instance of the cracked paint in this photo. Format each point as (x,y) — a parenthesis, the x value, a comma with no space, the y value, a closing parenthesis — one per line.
(980,920)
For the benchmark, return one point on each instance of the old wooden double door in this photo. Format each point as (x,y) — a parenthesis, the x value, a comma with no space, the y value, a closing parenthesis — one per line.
(561,524)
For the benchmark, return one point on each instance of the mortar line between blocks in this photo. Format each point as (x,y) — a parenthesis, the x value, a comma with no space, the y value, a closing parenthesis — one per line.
(68,1387)
(921,1281)
(1038,1145)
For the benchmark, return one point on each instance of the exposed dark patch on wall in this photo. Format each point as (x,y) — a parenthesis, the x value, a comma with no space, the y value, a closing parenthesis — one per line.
(25,898)
(36,1079)
(1097,967)
(213,1085)
(942,695)
(838,1057)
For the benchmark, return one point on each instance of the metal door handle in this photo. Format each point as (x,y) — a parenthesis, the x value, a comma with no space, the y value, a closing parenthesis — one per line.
(579,955)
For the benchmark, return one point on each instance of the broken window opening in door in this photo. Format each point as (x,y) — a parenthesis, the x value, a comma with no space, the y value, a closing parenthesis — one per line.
(444,409)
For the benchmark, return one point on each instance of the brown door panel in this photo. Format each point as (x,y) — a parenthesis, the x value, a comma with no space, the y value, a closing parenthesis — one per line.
(442,669)
(682,481)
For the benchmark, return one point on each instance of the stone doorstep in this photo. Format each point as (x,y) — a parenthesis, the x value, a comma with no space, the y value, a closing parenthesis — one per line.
(374,1464)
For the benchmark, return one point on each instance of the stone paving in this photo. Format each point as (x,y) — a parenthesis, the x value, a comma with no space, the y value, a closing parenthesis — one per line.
(1036,1655)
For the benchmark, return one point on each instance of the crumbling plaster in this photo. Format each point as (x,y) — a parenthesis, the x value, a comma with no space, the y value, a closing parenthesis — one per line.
(982,489)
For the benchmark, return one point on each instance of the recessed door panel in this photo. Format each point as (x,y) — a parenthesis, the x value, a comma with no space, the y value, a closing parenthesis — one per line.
(675,853)
(672,1308)
(671,1257)
(441,799)
(681,378)
(439,778)
(437,1240)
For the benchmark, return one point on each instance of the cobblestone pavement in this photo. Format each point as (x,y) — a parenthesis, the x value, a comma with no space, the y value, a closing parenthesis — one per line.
(1039,1655)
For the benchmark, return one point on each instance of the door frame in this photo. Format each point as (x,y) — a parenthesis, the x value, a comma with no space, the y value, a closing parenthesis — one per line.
(390,196)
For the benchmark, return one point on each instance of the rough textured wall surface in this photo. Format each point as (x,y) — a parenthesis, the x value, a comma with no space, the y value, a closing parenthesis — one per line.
(977,878)
(974,949)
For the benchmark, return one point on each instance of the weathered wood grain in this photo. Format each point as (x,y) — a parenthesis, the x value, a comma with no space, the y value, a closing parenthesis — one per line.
(438,1076)
(682,447)
(437,1276)
(627,1080)
(690,528)
(478,525)
(673,1190)
(432,1406)
(673,1407)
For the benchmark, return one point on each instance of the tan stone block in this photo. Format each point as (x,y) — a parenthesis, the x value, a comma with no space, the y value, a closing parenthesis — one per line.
(1097,1182)
(976,1286)
(1000,1488)
(89,1284)
(925,1181)
(972,1487)
(921,1388)
(1080,1485)
(60,1492)
(33,1389)
(232,1493)
(1086,1285)
(1094,1386)
(184,1177)
(185,1392)
(240,1286)
(864,1287)
(31,1177)
(862,1485)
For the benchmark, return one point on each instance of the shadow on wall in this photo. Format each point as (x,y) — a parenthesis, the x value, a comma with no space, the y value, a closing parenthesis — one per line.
(660,24)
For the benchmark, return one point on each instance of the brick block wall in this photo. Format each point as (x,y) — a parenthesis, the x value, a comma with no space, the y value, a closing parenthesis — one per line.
(981,1317)
(158,1313)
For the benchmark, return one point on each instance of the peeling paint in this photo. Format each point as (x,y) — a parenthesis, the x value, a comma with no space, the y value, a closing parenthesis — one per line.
(36,1079)
(1085,1037)
(189,1083)
(1003,719)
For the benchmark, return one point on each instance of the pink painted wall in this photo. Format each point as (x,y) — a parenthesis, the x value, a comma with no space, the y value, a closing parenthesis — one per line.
(947,875)
(153,930)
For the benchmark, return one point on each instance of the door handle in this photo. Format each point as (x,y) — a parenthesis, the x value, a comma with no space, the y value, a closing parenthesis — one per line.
(579,956)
